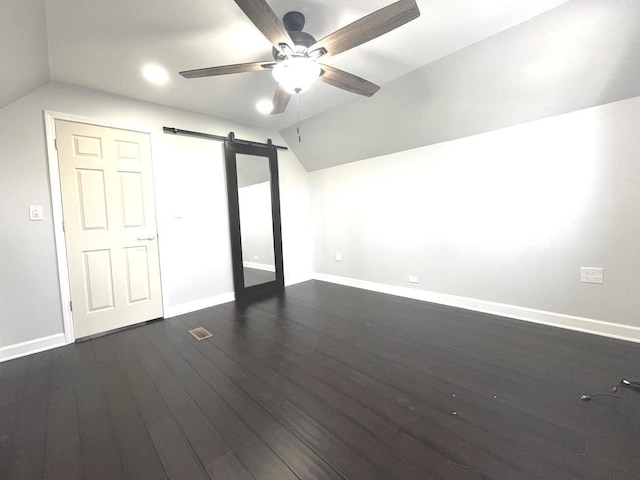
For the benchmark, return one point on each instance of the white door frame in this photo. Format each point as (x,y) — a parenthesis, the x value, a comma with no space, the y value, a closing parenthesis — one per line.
(56,202)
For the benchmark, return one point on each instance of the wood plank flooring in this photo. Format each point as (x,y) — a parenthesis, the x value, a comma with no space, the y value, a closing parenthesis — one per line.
(326,382)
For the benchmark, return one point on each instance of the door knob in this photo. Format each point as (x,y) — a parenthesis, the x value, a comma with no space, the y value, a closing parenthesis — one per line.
(149,236)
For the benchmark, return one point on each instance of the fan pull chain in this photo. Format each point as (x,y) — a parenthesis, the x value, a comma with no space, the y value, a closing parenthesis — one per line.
(298,120)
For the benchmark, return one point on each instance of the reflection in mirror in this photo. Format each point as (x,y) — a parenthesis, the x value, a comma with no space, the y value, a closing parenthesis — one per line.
(256,227)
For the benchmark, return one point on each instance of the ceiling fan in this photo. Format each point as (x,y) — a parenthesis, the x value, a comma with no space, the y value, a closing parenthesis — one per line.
(296,54)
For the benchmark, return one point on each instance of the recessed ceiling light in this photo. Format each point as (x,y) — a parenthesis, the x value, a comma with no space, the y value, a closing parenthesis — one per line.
(155,74)
(264,106)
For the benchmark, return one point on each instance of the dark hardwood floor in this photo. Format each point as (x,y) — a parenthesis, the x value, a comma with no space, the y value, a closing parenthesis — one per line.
(327,382)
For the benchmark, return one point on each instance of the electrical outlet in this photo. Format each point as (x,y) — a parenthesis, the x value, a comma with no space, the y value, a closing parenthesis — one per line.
(413,279)
(338,257)
(591,275)
(35,213)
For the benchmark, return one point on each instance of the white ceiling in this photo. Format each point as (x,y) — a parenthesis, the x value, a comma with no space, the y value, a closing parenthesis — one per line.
(104,45)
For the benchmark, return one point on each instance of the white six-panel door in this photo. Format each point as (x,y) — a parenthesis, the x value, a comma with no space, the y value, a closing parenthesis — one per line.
(110,226)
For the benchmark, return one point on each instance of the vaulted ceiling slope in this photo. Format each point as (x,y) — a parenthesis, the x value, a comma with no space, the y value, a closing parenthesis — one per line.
(104,44)
(463,67)
(578,55)
(24,62)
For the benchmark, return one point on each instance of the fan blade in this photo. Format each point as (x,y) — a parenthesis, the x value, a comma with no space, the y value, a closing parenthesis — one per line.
(347,81)
(369,27)
(227,69)
(260,13)
(280,100)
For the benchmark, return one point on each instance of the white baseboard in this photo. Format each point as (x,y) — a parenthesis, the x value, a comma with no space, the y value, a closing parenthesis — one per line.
(184,308)
(259,266)
(570,322)
(32,346)
(294,280)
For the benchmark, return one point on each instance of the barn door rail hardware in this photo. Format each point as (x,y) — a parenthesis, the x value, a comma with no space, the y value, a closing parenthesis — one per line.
(230,137)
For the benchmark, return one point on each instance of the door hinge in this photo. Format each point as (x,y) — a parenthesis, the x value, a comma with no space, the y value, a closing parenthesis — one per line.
(55,143)
(70,305)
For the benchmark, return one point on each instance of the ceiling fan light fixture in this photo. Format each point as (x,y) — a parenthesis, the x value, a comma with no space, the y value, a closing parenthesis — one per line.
(296,74)
(296,52)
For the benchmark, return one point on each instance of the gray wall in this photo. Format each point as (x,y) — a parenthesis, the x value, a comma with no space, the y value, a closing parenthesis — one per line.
(191,203)
(507,216)
(580,54)
(24,61)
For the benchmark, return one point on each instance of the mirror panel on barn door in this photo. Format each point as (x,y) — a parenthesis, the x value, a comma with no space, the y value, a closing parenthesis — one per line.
(254,217)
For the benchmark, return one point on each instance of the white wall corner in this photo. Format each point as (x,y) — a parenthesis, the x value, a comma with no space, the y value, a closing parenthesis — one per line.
(570,322)
(32,346)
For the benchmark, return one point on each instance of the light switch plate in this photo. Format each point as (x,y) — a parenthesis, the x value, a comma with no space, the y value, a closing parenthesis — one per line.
(338,257)
(35,213)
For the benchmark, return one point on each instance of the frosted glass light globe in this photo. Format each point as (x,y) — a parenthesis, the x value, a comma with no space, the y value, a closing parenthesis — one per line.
(296,74)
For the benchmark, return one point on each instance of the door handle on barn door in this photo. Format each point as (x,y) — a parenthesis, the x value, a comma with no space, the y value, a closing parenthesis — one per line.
(149,236)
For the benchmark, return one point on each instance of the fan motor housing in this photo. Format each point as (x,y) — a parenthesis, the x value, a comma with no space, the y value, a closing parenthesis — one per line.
(294,23)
